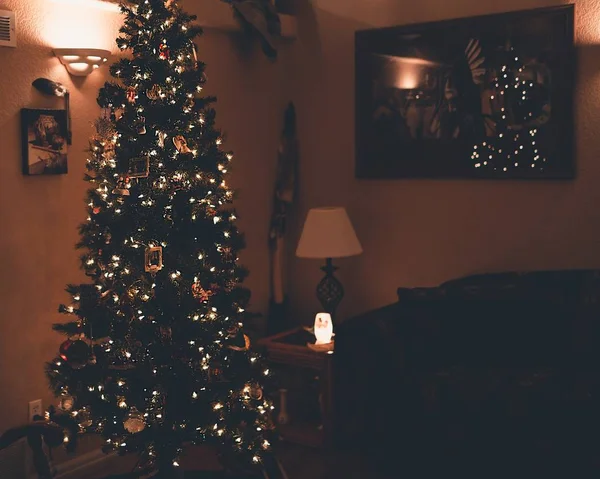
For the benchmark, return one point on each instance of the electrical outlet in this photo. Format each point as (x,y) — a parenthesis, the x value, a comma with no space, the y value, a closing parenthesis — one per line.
(35,409)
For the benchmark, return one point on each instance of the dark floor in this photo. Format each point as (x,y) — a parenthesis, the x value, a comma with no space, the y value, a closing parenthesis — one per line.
(299,462)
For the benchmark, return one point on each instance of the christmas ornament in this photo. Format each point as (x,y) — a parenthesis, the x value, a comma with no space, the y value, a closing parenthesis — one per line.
(121,188)
(131,95)
(256,392)
(163,50)
(84,418)
(154,259)
(246,346)
(105,129)
(139,167)
(200,293)
(140,125)
(153,93)
(181,144)
(66,402)
(117,114)
(134,422)
(161,138)
(195,53)
(96,210)
(75,353)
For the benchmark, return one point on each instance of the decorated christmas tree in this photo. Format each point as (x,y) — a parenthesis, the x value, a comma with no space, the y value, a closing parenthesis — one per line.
(155,356)
(515,104)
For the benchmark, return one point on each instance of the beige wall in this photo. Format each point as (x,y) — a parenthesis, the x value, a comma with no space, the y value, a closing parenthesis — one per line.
(39,215)
(423,232)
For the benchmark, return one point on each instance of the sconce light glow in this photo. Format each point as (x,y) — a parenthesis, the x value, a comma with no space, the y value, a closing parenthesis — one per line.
(81,62)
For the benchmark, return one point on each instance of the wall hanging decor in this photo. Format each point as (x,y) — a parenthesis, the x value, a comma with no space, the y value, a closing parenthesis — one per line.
(480,97)
(44,135)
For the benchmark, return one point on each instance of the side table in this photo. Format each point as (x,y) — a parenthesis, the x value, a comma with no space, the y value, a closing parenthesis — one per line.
(289,349)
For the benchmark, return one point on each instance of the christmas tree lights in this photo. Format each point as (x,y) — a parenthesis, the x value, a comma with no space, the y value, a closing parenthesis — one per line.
(156,356)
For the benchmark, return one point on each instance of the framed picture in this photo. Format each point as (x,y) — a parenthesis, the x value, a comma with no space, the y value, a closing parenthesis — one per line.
(139,167)
(480,97)
(44,134)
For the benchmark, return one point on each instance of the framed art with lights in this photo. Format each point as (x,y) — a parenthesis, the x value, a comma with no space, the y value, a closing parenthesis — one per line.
(479,97)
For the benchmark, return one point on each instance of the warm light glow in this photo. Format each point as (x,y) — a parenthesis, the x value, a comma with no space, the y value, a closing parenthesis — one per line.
(405,73)
(323,328)
(79,23)
(98,4)
(81,62)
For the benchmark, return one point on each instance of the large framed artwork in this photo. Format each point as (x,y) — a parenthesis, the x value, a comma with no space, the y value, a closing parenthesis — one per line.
(480,97)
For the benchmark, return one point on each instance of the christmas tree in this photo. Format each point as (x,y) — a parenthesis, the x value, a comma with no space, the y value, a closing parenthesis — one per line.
(515,104)
(156,357)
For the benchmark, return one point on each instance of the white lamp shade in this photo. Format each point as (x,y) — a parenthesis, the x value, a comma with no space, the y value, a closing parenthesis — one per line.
(328,233)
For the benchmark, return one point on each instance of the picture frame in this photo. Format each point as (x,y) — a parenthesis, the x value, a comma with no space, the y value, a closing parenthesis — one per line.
(153,259)
(432,100)
(44,135)
(139,167)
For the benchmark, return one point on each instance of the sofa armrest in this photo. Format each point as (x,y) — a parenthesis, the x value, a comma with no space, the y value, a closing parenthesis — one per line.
(361,366)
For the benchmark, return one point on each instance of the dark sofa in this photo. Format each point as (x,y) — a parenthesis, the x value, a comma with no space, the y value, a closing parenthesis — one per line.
(487,376)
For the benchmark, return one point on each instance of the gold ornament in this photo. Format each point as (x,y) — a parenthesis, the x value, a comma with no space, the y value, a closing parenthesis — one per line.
(134,422)
(153,93)
(161,138)
(84,418)
(181,144)
(246,346)
(256,392)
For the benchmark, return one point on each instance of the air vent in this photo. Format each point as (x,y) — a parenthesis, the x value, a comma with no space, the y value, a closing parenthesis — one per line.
(8,29)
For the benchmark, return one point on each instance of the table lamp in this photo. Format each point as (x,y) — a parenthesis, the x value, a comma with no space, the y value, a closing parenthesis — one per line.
(328,234)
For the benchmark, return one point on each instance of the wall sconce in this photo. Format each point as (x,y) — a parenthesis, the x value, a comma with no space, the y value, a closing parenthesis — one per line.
(81,62)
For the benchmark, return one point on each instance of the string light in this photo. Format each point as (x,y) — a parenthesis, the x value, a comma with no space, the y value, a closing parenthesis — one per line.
(495,156)
(116,273)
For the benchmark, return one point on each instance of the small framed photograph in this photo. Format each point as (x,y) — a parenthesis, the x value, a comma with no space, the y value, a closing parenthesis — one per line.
(139,167)
(154,259)
(44,135)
